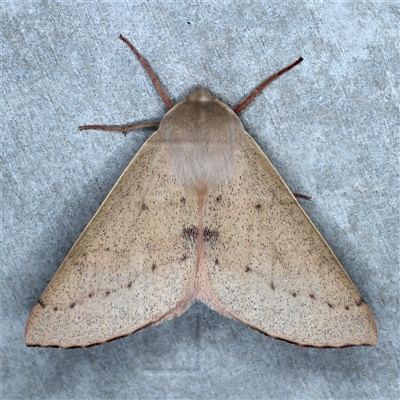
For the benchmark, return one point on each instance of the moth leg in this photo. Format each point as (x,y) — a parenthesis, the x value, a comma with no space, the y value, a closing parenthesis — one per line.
(242,105)
(124,129)
(302,196)
(160,88)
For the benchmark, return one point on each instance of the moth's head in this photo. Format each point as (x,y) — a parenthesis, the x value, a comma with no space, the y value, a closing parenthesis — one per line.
(202,95)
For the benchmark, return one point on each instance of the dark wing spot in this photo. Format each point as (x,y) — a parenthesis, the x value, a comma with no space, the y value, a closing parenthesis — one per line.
(312,296)
(55,308)
(272,286)
(129,284)
(346,307)
(72,305)
(219,198)
(248,269)
(258,206)
(107,293)
(183,258)
(154,267)
(210,235)
(183,201)
(90,294)
(41,303)
(360,302)
(294,294)
(216,261)
(144,207)
(190,233)
(329,304)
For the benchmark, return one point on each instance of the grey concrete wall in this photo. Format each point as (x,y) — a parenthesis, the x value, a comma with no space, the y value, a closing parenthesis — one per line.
(330,127)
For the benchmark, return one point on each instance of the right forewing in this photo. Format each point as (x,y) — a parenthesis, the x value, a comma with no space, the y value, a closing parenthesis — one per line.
(270,268)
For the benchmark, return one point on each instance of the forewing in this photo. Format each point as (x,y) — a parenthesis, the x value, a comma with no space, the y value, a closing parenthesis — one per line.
(131,266)
(269,266)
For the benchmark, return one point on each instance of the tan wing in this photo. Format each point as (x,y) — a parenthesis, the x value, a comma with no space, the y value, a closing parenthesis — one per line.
(271,269)
(131,267)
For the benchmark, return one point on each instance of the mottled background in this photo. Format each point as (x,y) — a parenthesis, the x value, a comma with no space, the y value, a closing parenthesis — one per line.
(330,126)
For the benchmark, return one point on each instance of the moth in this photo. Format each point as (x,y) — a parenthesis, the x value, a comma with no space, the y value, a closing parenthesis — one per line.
(200,213)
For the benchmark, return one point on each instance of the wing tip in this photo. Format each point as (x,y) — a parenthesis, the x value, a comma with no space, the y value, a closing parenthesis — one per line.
(35,338)
(367,342)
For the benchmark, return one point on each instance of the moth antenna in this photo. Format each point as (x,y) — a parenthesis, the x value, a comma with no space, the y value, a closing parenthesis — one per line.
(241,106)
(124,129)
(160,88)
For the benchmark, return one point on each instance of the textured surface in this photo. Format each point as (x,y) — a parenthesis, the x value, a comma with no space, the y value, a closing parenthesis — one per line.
(329,127)
(132,265)
(271,268)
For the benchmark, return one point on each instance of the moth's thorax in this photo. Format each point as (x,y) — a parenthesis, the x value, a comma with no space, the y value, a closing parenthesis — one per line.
(200,135)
